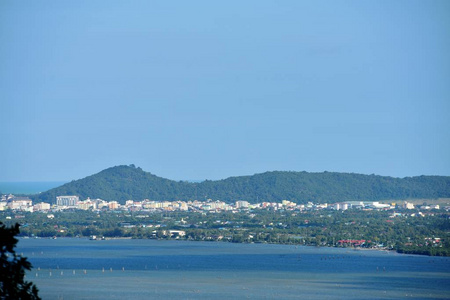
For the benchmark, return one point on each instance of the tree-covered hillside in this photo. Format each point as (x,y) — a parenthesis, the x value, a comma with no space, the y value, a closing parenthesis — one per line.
(122,183)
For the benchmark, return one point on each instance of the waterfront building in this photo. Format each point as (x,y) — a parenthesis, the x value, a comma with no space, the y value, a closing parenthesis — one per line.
(87,204)
(112,205)
(41,206)
(407,205)
(242,204)
(20,203)
(69,201)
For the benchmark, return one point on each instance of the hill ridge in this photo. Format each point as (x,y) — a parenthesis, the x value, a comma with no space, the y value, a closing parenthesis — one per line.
(126,182)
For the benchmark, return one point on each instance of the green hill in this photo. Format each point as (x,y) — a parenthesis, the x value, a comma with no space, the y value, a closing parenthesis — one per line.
(122,183)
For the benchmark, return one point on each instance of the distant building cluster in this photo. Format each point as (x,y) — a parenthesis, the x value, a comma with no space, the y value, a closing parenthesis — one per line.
(73,202)
(67,201)
(22,204)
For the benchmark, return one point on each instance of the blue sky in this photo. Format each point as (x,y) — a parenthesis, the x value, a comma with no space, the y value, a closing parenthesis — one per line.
(192,90)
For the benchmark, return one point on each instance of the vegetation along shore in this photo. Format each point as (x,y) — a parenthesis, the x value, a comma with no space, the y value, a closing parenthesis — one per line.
(402,231)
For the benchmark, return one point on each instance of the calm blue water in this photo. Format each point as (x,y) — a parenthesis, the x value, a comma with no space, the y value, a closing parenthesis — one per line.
(150,269)
(28,187)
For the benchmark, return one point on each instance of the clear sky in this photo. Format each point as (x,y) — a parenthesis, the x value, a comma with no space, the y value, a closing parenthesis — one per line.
(192,90)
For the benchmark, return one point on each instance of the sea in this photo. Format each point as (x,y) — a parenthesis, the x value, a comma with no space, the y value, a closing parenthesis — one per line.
(29,187)
(79,268)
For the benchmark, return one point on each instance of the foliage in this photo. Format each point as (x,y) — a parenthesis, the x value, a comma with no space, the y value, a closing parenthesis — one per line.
(13,267)
(122,183)
(427,235)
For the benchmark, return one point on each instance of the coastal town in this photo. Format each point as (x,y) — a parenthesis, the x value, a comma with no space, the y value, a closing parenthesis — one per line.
(25,204)
(404,226)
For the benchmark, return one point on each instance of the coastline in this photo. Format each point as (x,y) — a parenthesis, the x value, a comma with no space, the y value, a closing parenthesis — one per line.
(170,269)
(391,251)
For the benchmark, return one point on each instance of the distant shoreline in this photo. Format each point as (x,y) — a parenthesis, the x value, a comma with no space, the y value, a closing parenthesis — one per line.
(28,187)
(284,244)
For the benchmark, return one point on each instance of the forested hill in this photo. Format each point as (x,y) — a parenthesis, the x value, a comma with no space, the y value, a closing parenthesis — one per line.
(122,183)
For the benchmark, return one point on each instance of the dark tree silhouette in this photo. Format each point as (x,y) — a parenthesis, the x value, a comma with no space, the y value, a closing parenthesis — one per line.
(13,267)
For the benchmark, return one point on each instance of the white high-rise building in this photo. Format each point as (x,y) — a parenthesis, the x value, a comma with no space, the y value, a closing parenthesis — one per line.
(242,204)
(67,200)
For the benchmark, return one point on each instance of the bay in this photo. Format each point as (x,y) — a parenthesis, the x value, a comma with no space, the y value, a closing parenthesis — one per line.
(72,268)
